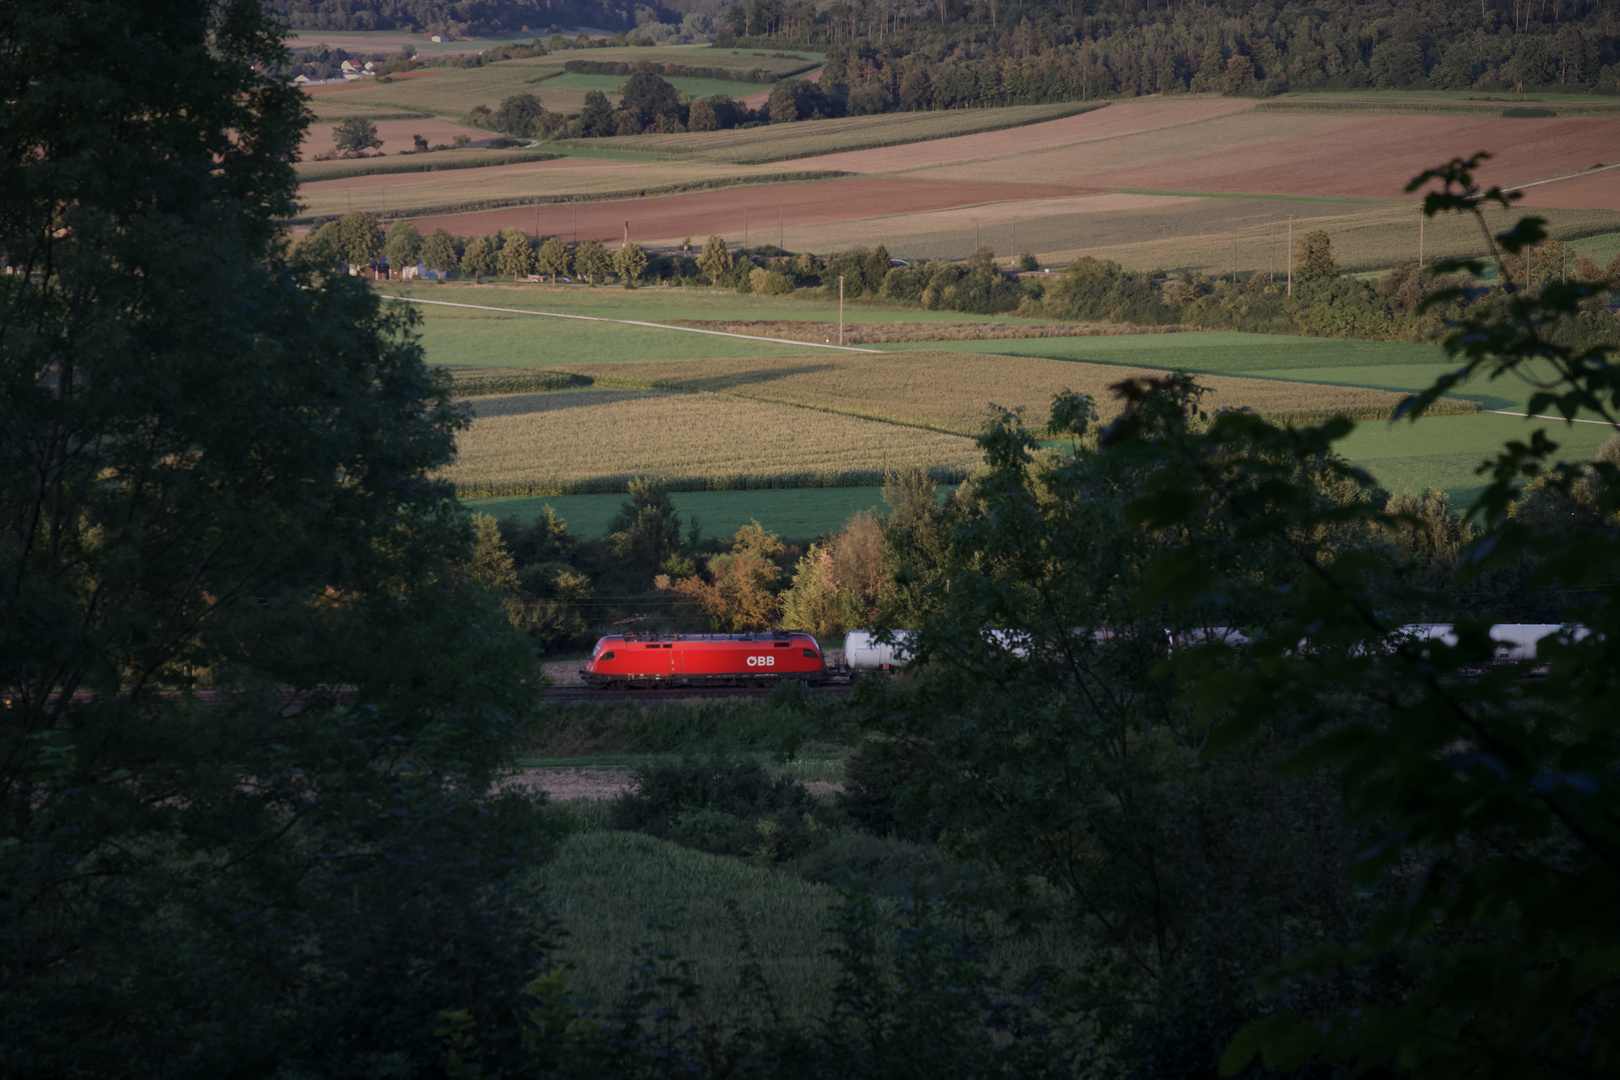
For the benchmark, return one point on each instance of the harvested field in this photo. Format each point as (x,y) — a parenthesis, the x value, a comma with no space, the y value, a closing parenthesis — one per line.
(1595,191)
(673,217)
(953,392)
(463,193)
(597,440)
(1371,237)
(396,135)
(1152,232)
(1121,119)
(1301,154)
(874,333)
(779,142)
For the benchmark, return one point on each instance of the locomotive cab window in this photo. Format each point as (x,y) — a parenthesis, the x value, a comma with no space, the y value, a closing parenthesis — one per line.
(605,656)
(811,654)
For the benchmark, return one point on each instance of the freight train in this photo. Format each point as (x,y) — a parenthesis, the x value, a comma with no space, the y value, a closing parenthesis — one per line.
(632,661)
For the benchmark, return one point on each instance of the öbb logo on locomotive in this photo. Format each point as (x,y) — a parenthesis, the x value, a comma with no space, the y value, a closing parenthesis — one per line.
(673,660)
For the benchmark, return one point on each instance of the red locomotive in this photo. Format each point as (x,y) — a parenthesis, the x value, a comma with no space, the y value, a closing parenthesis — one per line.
(651,660)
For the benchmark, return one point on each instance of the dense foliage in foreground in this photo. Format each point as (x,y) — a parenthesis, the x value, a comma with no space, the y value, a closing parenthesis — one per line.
(258,685)
(253,698)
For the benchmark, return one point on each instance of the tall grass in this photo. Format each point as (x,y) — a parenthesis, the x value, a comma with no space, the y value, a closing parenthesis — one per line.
(810,138)
(613,890)
(606,888)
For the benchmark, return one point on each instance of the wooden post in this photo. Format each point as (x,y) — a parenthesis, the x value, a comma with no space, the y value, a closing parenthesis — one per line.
(1420,241)
(840,309)
(1290,254)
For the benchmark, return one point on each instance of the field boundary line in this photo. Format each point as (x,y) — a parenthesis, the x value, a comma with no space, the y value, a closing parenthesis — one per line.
(1168,192)
(1542,416)
(1049,149)
(629,322)
(1566,176)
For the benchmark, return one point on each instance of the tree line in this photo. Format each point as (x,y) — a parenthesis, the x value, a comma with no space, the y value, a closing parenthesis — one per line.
(1313,298)
(952,55)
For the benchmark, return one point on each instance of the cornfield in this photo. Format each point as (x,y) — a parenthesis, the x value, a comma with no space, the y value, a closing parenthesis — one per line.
(596,440)
(953,392)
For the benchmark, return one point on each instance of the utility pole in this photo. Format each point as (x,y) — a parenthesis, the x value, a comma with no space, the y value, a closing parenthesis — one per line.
(840,309)
(576,225)
(781,216)
(1234,260)
(975,234)
(627,234)
(1420,240)
(1290,254)
(745,230)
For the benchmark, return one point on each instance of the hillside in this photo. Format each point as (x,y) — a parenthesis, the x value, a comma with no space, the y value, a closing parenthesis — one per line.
(467,17)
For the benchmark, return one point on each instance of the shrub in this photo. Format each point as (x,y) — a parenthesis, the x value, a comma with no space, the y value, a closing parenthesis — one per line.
(725,806)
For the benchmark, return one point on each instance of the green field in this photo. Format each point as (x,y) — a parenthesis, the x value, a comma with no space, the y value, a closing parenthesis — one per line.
(451,91)
(797,514)
(1441,452)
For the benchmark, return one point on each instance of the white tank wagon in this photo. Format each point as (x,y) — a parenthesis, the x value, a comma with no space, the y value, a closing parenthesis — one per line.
(1516,642)
(863,652)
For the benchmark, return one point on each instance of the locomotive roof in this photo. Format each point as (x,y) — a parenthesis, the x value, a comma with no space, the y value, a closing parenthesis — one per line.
(778,635)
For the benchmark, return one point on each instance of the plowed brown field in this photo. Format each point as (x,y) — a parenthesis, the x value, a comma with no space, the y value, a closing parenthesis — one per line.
(1369,157)
(1599,191)
(701,213)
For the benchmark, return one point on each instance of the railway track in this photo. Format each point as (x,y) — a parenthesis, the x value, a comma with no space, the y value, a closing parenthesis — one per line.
(570,694)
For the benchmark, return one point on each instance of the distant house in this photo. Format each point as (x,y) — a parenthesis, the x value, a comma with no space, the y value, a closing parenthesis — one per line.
(420,271)
(302,80)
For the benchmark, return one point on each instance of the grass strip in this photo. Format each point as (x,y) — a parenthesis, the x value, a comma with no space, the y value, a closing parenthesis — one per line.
(477,205)
(1249,195)
(811,138)
(344,170)
(894,333)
